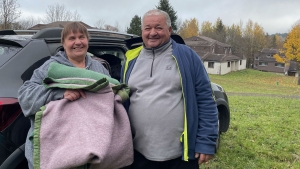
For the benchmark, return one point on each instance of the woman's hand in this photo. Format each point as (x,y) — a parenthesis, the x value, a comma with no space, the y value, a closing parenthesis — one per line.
(72,95)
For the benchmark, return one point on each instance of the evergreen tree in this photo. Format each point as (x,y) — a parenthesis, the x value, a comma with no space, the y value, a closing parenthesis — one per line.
(220,30)
(135,26)
(165,6)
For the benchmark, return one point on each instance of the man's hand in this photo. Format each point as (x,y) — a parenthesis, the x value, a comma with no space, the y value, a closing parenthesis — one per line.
(203,157)
(72,95)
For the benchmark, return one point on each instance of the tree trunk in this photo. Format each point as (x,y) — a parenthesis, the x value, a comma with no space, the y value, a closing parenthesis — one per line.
(298,71)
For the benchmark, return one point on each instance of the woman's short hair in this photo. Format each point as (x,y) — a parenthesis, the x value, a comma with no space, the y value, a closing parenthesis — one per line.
(73,27)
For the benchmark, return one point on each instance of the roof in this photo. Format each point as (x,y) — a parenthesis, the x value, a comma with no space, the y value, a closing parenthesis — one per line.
(240,55)
(220,57)
(199,41)
(271,51)
(267,54)
(203,41)
(60,24)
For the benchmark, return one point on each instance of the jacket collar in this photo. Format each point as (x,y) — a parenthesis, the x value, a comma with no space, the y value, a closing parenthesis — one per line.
(159,49)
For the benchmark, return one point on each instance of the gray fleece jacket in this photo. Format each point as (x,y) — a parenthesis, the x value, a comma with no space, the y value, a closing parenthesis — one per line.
(32,95)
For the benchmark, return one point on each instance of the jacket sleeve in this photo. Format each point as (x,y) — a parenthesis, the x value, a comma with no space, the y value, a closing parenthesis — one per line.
(207,132)
(98,67)
(32,94)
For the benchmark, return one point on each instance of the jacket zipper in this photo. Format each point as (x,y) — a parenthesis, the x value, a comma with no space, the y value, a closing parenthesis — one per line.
(152,62)
(184,135)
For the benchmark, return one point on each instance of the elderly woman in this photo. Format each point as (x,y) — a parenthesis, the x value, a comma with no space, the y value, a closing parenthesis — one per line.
(33,95)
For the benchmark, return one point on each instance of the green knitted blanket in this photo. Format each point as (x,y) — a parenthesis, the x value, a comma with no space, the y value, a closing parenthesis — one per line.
(66,77)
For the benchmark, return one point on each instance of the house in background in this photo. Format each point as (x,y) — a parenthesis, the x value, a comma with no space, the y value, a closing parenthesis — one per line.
(264,61)
(217,57)
(60,24)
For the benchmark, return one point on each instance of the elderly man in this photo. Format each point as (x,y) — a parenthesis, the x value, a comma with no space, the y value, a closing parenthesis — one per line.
(172,110)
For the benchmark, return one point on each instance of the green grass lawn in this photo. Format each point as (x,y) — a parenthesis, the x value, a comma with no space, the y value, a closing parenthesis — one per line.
(264,131)
(253,81)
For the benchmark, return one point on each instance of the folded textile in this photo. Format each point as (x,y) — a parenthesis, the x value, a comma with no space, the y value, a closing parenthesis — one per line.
(94,130)
(67,77)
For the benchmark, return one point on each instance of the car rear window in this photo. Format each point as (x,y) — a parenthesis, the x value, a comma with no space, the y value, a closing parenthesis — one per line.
(7,52)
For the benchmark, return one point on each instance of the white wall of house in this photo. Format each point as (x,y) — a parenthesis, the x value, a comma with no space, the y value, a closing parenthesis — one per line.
(225,69)
(238,65)
(233,65)
(243,65)
(222,68)
(215,70)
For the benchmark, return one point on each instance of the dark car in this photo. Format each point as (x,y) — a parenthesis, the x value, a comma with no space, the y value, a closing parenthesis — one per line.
(21,52)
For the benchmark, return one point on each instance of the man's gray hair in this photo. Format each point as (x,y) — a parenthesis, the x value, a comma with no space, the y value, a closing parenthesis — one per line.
(158,12)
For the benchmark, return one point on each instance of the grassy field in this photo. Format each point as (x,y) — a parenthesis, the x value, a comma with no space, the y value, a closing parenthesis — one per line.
(264,131)
(253,81)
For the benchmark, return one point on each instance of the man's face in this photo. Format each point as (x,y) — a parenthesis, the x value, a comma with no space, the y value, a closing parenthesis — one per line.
(155,31)
(75,45)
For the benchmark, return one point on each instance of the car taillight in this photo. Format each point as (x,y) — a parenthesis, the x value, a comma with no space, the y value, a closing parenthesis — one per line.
(9,111)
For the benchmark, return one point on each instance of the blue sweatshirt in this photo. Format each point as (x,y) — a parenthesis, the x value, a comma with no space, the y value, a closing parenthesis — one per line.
(200,109)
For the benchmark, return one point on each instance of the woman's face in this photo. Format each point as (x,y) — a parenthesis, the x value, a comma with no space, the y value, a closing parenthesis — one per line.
(75,45)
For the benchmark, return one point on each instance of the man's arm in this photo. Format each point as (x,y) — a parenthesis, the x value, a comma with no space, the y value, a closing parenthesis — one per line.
(207,132)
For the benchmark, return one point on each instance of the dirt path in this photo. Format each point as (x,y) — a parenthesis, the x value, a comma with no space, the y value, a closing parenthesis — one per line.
(257,94)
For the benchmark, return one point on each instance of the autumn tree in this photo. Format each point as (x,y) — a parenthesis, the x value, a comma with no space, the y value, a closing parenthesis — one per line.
(27,22)
(234,37)
(259,37)
(110,28)
(117,26)
(189,28)
(207,29)
(9,13)
(178,25)
(76,16)
(278,41)
(270,41)
(246,40)
(291,48)
(99,24)
(135,26)
(216,31)
(165,6)
(254,40)
(59,12)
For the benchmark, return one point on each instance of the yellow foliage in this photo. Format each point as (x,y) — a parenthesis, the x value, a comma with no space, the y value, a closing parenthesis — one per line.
(292,44)
(280,59)
(189,28)
(206,26)
(279,41)
(254,38)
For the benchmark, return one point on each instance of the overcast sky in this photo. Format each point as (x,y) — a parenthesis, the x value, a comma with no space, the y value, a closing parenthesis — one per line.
(275,16)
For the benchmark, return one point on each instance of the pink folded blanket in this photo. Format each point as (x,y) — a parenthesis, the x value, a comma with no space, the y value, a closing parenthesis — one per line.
(94,130)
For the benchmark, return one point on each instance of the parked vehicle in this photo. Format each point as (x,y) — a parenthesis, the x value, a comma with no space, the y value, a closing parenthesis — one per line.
(21,52)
